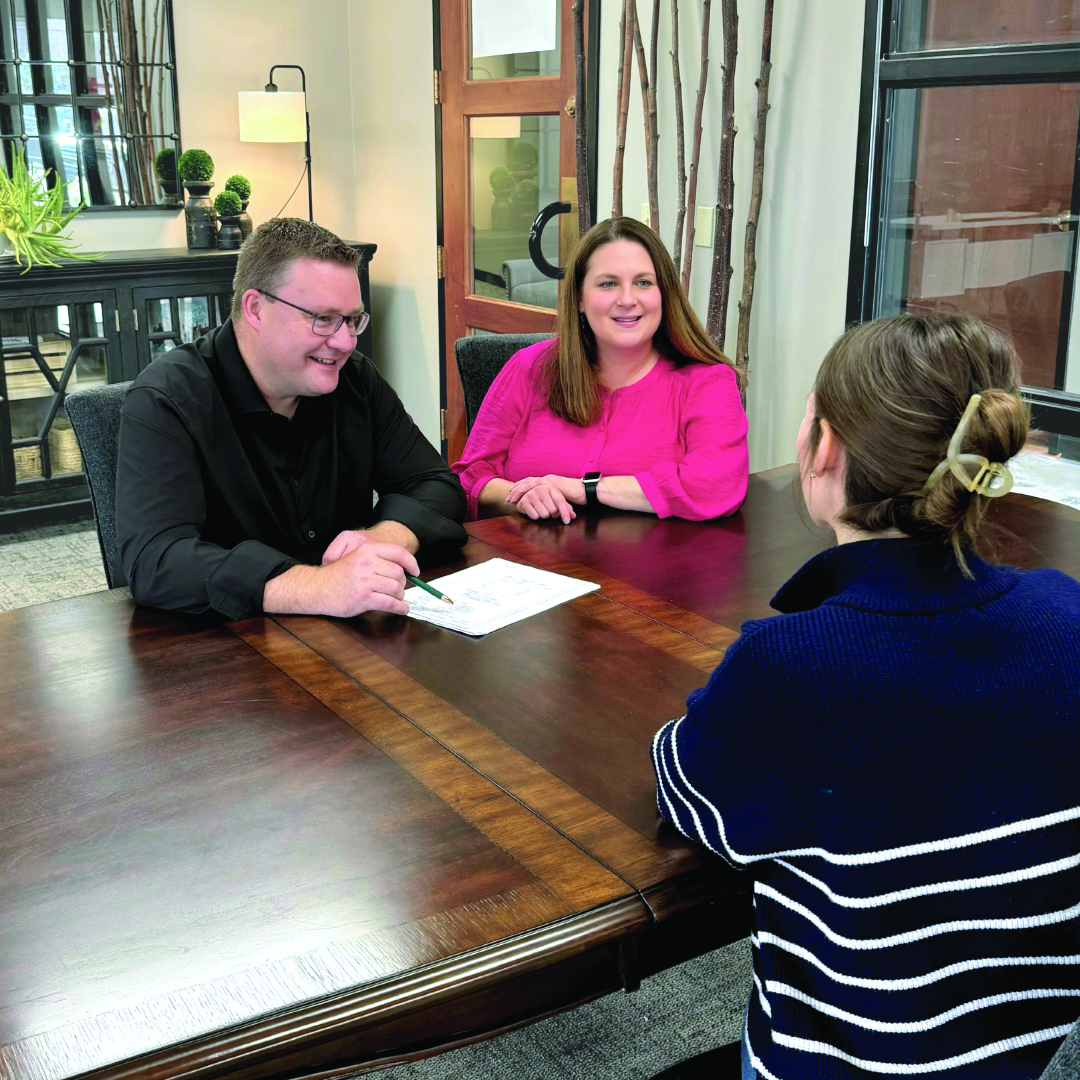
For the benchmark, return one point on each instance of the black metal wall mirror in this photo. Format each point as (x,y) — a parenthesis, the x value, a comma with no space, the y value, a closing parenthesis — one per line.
(88,90)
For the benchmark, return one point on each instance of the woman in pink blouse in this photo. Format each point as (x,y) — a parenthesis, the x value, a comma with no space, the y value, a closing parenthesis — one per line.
(632,406)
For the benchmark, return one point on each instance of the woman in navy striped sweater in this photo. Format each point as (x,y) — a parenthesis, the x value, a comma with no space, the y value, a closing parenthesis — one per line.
(895,757)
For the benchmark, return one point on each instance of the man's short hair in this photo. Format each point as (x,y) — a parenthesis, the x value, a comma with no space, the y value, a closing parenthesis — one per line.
(268,252)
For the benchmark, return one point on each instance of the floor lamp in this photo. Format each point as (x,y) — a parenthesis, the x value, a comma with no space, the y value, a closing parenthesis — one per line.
(273,115)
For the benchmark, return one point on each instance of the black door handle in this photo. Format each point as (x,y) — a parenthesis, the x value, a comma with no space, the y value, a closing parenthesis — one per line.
(537,230)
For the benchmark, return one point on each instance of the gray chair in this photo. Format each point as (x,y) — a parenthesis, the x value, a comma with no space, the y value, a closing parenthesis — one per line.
(1065,1064)
(95,418)
(525,284)
(480,358)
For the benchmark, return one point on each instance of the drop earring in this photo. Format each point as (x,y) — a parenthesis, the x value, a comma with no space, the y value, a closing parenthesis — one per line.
(581,320)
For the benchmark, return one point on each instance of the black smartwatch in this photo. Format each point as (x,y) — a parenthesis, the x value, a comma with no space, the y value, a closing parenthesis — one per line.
(590,480)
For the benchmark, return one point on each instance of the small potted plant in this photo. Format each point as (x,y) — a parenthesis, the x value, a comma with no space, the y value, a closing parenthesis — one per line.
(32,217)
(165,167)
(196,167)
(242,186)
(227,205)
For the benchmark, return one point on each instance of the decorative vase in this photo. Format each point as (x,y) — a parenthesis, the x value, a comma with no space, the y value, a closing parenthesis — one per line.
(230,233)
(199,216)
(245,219)
(168,190)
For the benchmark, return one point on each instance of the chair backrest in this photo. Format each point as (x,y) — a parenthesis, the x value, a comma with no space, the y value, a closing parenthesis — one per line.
(480,358)
(1065,1064)
(95,418)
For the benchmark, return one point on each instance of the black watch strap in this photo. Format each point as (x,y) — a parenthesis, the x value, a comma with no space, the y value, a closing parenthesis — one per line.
(590,480)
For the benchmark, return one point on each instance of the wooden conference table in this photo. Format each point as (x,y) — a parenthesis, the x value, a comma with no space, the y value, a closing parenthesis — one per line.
(290,847)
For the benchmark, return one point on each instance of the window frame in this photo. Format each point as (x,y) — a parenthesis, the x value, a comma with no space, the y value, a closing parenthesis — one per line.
(74,100)
(883,69)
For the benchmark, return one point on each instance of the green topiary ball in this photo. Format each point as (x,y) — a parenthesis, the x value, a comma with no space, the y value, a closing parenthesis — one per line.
(165,164)
(227,204)
(196,165)
(240,184)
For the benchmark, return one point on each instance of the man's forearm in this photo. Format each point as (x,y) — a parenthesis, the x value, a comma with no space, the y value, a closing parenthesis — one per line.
(393,532)
(292,593)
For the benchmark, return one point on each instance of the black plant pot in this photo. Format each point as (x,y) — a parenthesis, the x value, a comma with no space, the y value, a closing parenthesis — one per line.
(245,219)
(230,236)
(199,216)
(168,189)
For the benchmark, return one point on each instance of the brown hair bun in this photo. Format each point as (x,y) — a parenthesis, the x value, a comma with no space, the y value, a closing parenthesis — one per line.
(894,390)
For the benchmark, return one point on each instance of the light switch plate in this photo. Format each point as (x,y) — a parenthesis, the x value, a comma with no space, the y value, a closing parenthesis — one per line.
(644,215)
(704,221)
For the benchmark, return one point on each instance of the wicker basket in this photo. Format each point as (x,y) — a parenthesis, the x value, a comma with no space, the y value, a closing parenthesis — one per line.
(63,449)
(27,462)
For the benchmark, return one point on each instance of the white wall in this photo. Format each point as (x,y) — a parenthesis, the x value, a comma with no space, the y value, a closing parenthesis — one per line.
(805,226)
(209,74)
(393,135)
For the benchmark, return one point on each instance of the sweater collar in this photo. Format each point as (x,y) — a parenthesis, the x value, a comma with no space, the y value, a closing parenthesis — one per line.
(902,576)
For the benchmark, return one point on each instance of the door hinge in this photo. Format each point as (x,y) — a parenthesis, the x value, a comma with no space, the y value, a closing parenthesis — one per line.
(440,258)
(438,88)
(442,425)
(135,316)
(116,318)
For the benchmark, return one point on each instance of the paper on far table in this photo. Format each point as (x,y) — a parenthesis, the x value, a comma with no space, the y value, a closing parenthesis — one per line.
(492,595)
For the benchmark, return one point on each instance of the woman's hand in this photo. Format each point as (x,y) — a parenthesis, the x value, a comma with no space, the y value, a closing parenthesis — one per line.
(547,497)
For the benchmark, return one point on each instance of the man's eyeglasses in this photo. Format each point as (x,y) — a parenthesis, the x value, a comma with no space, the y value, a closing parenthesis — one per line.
(327,325)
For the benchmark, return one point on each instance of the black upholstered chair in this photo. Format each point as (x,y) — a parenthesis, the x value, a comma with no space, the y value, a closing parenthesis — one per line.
(480,358)
(95,418)
(1065,1064)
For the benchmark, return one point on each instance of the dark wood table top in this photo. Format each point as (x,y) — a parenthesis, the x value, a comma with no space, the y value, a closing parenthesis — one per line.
(286,847)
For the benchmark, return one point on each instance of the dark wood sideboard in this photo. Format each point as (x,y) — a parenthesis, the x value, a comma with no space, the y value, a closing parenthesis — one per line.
(87,323)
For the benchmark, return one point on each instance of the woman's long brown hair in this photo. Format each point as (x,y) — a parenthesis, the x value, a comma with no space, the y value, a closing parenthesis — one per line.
(571,368)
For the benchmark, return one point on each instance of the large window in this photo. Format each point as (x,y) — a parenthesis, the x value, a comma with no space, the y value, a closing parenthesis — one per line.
(88,91)
(968,191)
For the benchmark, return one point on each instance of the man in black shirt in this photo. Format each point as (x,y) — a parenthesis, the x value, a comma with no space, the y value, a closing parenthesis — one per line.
(248,460)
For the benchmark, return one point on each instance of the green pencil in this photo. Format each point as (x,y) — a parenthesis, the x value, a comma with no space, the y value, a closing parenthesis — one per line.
(427,588)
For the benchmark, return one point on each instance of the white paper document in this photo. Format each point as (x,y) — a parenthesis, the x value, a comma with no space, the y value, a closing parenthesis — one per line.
(492,595)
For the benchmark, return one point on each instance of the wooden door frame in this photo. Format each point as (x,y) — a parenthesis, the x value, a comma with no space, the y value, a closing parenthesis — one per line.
(499,309)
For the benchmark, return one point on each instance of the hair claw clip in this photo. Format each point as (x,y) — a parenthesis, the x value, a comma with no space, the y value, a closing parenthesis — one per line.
(991,478)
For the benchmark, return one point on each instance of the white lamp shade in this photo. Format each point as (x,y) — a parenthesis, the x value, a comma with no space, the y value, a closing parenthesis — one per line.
(272,116)
(495,127)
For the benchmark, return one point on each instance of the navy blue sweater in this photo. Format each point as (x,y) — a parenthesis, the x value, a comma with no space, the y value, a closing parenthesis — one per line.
(895,761)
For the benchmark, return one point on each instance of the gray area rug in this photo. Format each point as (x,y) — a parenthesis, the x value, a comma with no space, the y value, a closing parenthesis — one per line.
(49,564)
(681,1012)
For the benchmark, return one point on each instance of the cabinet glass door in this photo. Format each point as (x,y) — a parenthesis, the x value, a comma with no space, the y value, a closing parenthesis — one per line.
(48,350)
(165,319)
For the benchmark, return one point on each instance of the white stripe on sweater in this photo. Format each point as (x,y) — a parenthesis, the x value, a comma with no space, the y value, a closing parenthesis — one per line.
(1023,922)
(914,982)
(906,1027)
(901,1069)
(1009,877)
(863,858)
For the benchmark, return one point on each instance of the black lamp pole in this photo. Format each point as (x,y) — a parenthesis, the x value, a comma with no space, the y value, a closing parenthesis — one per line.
(271,88)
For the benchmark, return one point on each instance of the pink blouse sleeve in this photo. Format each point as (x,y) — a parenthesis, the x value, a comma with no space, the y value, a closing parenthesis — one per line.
(710,479)
(499,417)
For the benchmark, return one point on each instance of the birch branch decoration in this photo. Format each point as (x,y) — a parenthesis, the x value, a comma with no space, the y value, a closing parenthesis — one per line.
(695,152)
(742,345)
(650,123)
(580,120)
(654,135)
(716,321)
(680,137)
(626,36)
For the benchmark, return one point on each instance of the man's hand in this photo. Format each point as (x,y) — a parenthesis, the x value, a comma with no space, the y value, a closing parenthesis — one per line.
(384,532)
(362,576)
(547,497)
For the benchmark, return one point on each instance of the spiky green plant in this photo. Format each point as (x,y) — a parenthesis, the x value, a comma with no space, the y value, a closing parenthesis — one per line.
(240,184)
(32,217)
(227,204)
